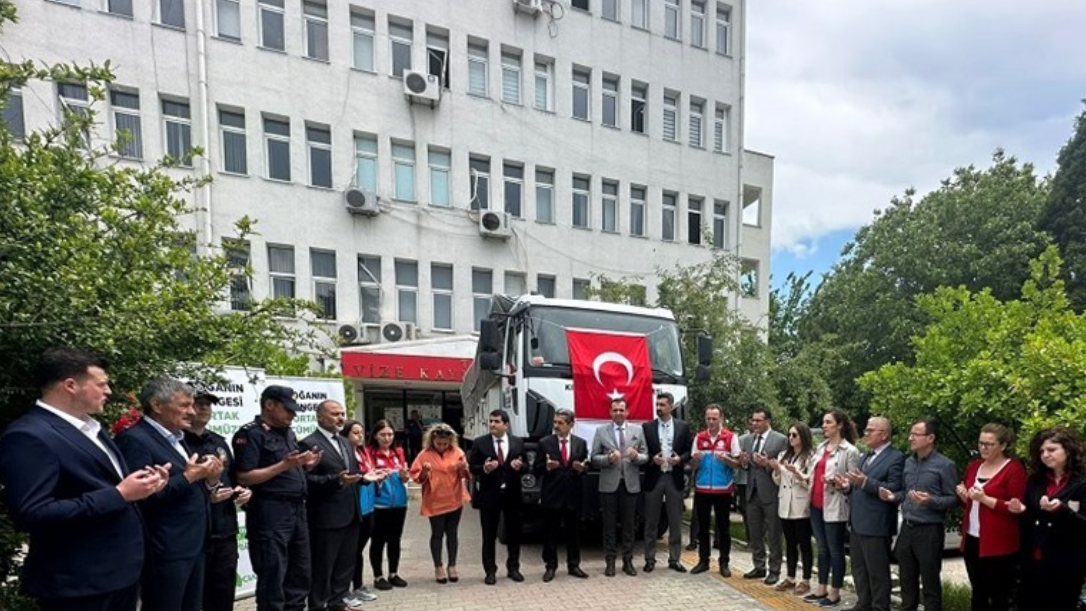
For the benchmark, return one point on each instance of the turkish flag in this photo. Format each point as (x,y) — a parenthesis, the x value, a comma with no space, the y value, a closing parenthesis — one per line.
(608,366)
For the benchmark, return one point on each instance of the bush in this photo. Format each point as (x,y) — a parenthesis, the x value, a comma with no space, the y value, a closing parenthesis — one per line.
(956,597)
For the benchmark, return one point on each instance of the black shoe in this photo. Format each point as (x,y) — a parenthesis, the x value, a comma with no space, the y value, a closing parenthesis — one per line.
(382,584)
(578,573)
(515,575)
(490,579)
(609,571)
(548,575)
(700,567)
(628,568)
(397,581)
(650,565)
(676,566)
(693,545)
(724,570)
(754,574)
(771,579)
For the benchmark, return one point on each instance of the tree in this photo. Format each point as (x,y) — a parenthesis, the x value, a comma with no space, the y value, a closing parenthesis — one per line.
(977,230)
(1021,362)
(799,369)
(1064,214)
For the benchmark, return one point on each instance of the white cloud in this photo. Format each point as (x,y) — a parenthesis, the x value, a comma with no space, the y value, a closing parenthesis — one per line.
(859,101)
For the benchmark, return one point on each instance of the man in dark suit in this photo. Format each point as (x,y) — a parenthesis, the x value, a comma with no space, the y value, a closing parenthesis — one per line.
(70,488)
(495,462)
(763,524)
(560,464)
(668,441)
(873,521)
(333,511)
(175,518)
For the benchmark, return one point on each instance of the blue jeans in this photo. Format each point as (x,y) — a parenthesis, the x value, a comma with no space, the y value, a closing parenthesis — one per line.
(830,537)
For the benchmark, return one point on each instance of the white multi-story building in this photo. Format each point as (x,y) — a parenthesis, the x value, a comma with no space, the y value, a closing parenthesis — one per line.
(607,135)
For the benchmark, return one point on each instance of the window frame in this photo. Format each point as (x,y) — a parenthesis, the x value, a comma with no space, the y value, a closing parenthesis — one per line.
(160,14)
(610,97)
(639,93)
(480,300)
(721,131)
(543,71)
(723,27)
(269,138)
(695,124)
(240,300)
(697,24)
(291,276)
(225,130)
(695,209)
(512,73)
(479,59)
(397,39)
(183,123)
(644,23)
(315,148)
(315,21)
(404,290)
(274,8)
(671,108)
(360,30)
(406,164)
(580,197)
(14,116)
(584,89)
(369,281)
(673,29)
(638,205)
(544,182)
(319,281)
(513,208)
(364,156)
(218,19)
(134,139)
(609,190)
(443,294)
(478,176)
(438,166)
(720,224)
(669,207)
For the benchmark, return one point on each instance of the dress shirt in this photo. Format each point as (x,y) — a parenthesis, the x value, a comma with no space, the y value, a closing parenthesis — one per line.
(333,439)
(935,475)
(174,439)
(90,428)
(501,448)
(872,455)
(666,430)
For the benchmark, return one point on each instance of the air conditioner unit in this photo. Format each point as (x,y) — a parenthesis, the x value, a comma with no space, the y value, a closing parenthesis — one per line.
(532,7)
(422,87)
(395,331)
(353,335)
(361,202)
(493,224)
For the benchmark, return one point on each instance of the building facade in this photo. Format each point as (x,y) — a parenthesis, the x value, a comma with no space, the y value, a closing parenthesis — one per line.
(606,134)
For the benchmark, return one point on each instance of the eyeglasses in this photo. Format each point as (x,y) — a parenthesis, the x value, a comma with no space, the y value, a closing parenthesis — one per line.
(987,444)
(874,430)
(919,434)
(793,435)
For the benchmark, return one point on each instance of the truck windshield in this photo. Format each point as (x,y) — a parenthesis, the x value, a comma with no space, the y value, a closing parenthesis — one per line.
(548,326)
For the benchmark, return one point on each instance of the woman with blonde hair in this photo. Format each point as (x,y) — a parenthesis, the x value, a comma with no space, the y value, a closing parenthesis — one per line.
(442,468)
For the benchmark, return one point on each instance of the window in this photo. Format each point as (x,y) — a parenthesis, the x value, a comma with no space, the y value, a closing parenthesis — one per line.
(671,116)
(407,290)
(128,132)
(232,131)
(609,207)
(440,166)
(671,19)
(639,14)
(437,56)
(120,7)
(667,224)
(237,256)
(693,219)
(639,96)
(477,68)
(369,287)
(316,30)
(697,23)
(581,193)
(581,286)
(723,28)
(543,86)
(544,196)
(281,268)
(637,210)
(515,283)
(363,32)
(172,13)
(403,163)
(610,100)
(323,267)
(581,4)
(482,287)
(511,77)
(748,278)
(319,140)
(178,124)
(514,188)
(697,111)
(545,285)
(441,289)
(720,228)
(11,115)
(752,207)
(480,182)
(720,128)
(74,101)
(365,162)
(227,19)
(610,10)
(271,25)
(277,142)
(582,92)
(400,37)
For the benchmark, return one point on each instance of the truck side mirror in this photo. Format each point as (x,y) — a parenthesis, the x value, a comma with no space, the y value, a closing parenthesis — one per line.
(701,374)
(490,361)
(490,336)
(705,350)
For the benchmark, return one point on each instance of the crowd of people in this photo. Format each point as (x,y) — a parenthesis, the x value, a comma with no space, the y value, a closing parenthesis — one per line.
(149,516)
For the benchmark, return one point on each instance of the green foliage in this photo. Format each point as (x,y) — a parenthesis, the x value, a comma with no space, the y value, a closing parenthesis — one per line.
(1020,362)
(976,230)
(1064,214)
(800,369)
(630,291)
(957,597)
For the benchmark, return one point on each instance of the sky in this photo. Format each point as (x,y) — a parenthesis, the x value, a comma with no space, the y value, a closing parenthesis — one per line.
(858,100)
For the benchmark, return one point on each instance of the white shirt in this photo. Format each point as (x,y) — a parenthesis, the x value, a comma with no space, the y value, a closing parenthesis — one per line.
(666,430)
(622,442)
(331,437)
(90,428)
(174,439)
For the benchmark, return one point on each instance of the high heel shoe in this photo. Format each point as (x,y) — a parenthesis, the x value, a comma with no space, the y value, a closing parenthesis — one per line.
(453,576)
(439,575)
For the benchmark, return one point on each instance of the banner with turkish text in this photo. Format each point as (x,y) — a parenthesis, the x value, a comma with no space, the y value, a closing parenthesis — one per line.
(606,366)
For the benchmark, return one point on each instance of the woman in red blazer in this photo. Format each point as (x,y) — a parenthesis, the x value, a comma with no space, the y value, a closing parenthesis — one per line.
(991,540)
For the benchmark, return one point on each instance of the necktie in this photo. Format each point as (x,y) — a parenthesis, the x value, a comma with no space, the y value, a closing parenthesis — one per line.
(341,447)
(757,443)
(565,451)
(501,455)
(621,439)
(867,459)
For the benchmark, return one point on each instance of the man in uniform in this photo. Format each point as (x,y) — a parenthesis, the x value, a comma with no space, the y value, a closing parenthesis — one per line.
(267,459)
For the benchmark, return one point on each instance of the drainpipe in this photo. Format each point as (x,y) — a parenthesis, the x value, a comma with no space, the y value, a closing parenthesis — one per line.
(203,193)
(740,148)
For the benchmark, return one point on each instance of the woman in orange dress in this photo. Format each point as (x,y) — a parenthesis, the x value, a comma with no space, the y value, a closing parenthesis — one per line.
(442,468)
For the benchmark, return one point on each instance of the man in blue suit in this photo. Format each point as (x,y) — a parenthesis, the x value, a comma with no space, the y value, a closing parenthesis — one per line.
(69,487)
(175,518)
(873,520)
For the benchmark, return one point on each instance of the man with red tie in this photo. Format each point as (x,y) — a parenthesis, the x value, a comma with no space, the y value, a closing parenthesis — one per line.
(560,464)
(496,461)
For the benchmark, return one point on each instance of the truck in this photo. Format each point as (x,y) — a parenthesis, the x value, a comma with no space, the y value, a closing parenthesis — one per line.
(522,365)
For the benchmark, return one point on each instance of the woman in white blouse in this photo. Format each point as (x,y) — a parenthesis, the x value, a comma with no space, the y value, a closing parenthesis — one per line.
(792,472)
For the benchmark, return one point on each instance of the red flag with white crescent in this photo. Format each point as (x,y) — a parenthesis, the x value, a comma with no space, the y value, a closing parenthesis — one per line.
(607,366)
